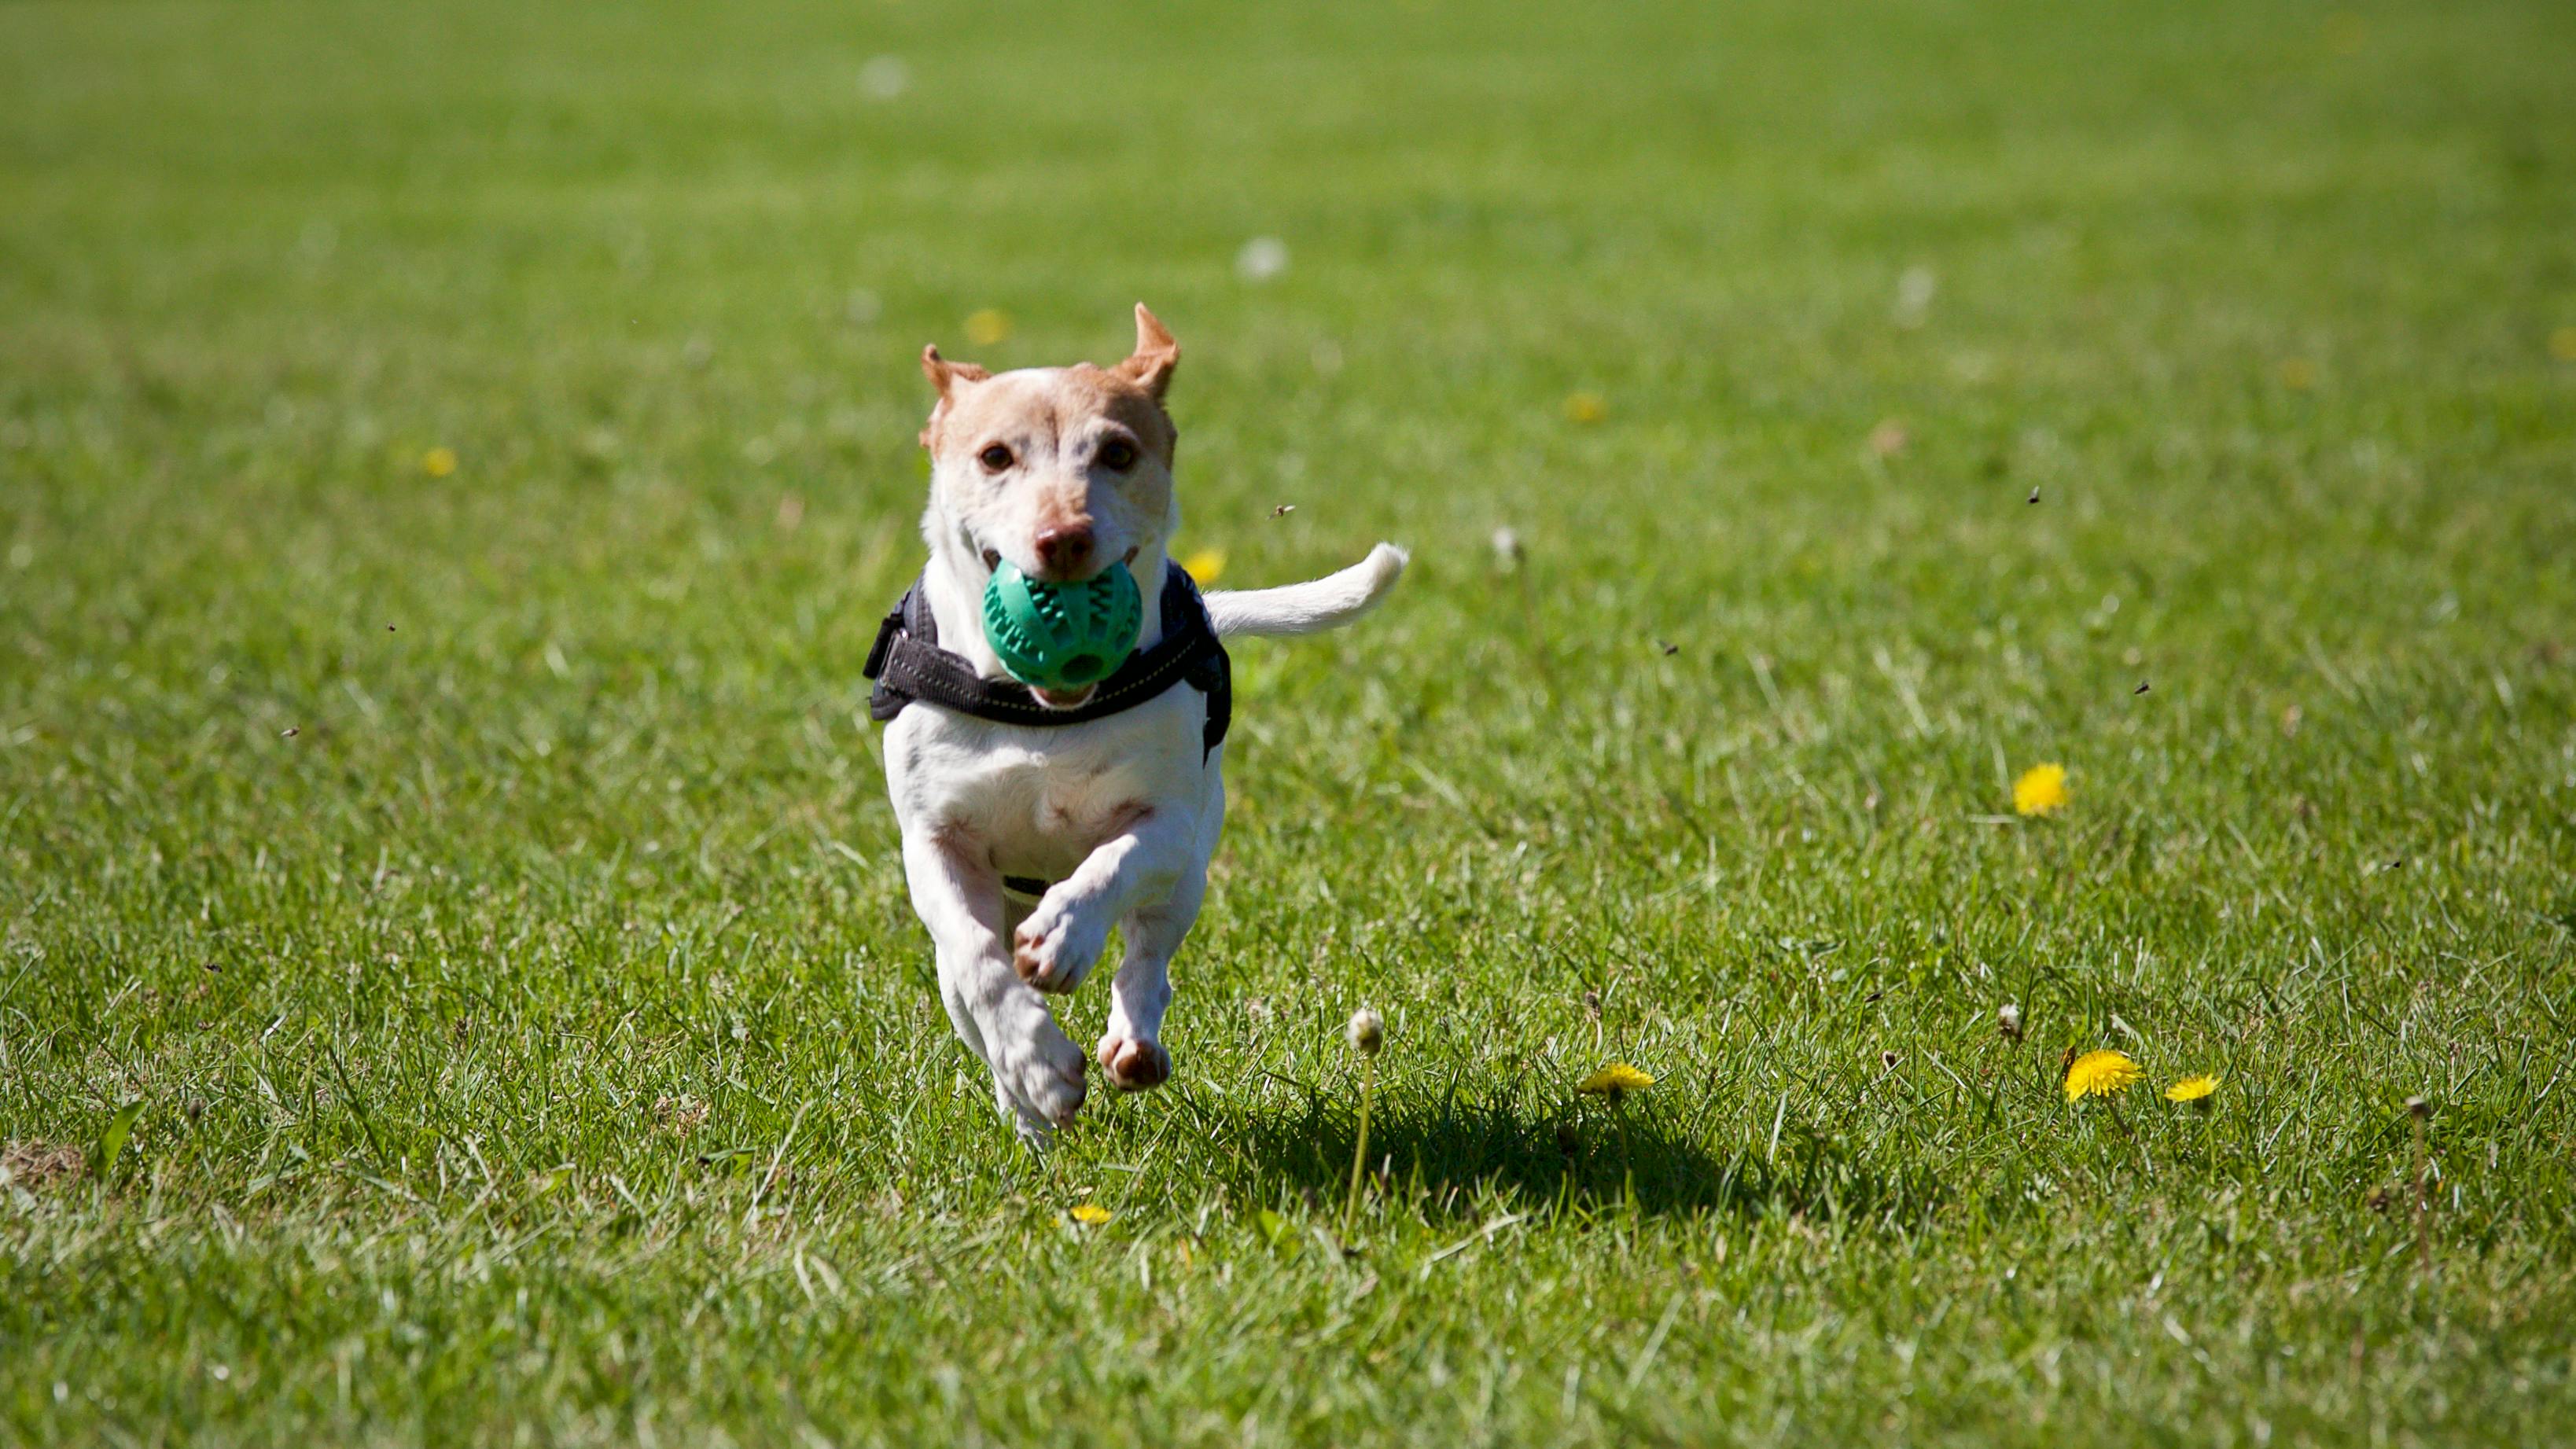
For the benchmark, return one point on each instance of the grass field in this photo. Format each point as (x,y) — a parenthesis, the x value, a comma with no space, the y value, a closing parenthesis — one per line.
(478,879)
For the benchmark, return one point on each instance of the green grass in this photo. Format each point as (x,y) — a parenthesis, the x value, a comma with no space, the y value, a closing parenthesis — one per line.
(580,827)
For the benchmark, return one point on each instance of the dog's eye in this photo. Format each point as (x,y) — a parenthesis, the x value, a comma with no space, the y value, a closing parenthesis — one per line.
(1117,455)
(995,457)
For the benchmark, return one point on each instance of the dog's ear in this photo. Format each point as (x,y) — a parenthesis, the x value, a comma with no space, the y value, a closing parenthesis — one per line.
(944,375)
(1156,354)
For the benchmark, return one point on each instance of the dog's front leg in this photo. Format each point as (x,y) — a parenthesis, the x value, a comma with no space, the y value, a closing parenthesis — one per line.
(1152,875)
(1061,940)
(1037,1072)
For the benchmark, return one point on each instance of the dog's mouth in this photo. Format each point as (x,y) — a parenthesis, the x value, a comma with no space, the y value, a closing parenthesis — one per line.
(993,560)
(1051,698)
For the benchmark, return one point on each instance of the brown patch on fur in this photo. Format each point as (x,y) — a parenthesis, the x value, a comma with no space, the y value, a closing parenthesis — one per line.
(1061,508)
(1129,394)
(1072,396)
(1150,365)
(39,1164)
(1127,403)
(944,375)
(1135,1066)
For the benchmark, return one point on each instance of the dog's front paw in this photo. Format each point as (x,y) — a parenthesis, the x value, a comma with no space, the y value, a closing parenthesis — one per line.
(1040,1077)
(1057,946)
(1134,1065)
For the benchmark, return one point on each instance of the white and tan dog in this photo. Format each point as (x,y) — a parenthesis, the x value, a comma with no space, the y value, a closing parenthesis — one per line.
(1065,471)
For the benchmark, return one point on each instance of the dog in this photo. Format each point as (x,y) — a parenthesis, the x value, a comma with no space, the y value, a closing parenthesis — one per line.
(1035,820)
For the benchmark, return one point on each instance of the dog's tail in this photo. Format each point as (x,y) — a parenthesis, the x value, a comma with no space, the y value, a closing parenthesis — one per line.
(1313,606)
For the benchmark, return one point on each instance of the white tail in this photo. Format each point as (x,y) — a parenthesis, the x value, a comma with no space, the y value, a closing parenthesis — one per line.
(1313,606)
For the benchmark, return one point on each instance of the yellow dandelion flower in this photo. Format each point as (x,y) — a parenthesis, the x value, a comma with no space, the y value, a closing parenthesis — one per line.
(2298,374)
(2099,1074)
(1586,407)
(2192,1089)
(2562,344)
(2040,790)
(438,462)
(1615,1081)
(1090,1214)
(988,327)
(1204,565)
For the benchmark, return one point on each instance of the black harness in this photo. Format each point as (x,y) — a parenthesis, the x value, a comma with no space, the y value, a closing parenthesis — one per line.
(908,664)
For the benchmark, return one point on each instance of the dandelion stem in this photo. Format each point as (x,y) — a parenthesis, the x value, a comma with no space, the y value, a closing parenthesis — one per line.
(1627,1155)
(2421,1111)
(1536,637)
(1359,1153)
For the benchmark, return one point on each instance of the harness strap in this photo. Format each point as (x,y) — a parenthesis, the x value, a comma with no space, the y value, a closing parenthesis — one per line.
(907,664)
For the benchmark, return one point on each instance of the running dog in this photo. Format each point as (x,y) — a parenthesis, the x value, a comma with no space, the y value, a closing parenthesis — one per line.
(1034,820)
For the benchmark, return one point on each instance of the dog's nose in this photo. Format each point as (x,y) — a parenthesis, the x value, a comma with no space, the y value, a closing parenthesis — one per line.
(1065,549)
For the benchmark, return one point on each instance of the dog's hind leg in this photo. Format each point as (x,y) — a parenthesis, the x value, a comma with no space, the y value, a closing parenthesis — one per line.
(1037,1073)
(1131,1050)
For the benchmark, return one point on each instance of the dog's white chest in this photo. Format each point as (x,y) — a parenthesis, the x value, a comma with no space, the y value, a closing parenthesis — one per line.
(1038,801)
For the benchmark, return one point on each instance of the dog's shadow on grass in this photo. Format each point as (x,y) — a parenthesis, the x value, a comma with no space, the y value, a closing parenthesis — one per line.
(1459,1157)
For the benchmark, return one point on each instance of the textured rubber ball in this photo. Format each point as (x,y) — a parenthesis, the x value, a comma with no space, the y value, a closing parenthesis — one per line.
(1062,636)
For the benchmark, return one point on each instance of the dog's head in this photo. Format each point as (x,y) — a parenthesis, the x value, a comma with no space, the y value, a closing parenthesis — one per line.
(1062,470)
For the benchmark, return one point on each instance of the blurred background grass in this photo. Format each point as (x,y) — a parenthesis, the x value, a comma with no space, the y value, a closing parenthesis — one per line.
(1757,325)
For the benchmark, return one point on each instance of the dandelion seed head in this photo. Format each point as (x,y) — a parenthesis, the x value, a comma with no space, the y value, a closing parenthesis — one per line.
(1915,289)
(1261,259)
(884,77)
(1367,1031)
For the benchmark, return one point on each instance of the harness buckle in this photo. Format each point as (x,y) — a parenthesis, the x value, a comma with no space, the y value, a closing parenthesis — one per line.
(887,628)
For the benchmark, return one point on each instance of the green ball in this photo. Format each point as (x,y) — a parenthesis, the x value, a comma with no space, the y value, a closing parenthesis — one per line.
(1062,636)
